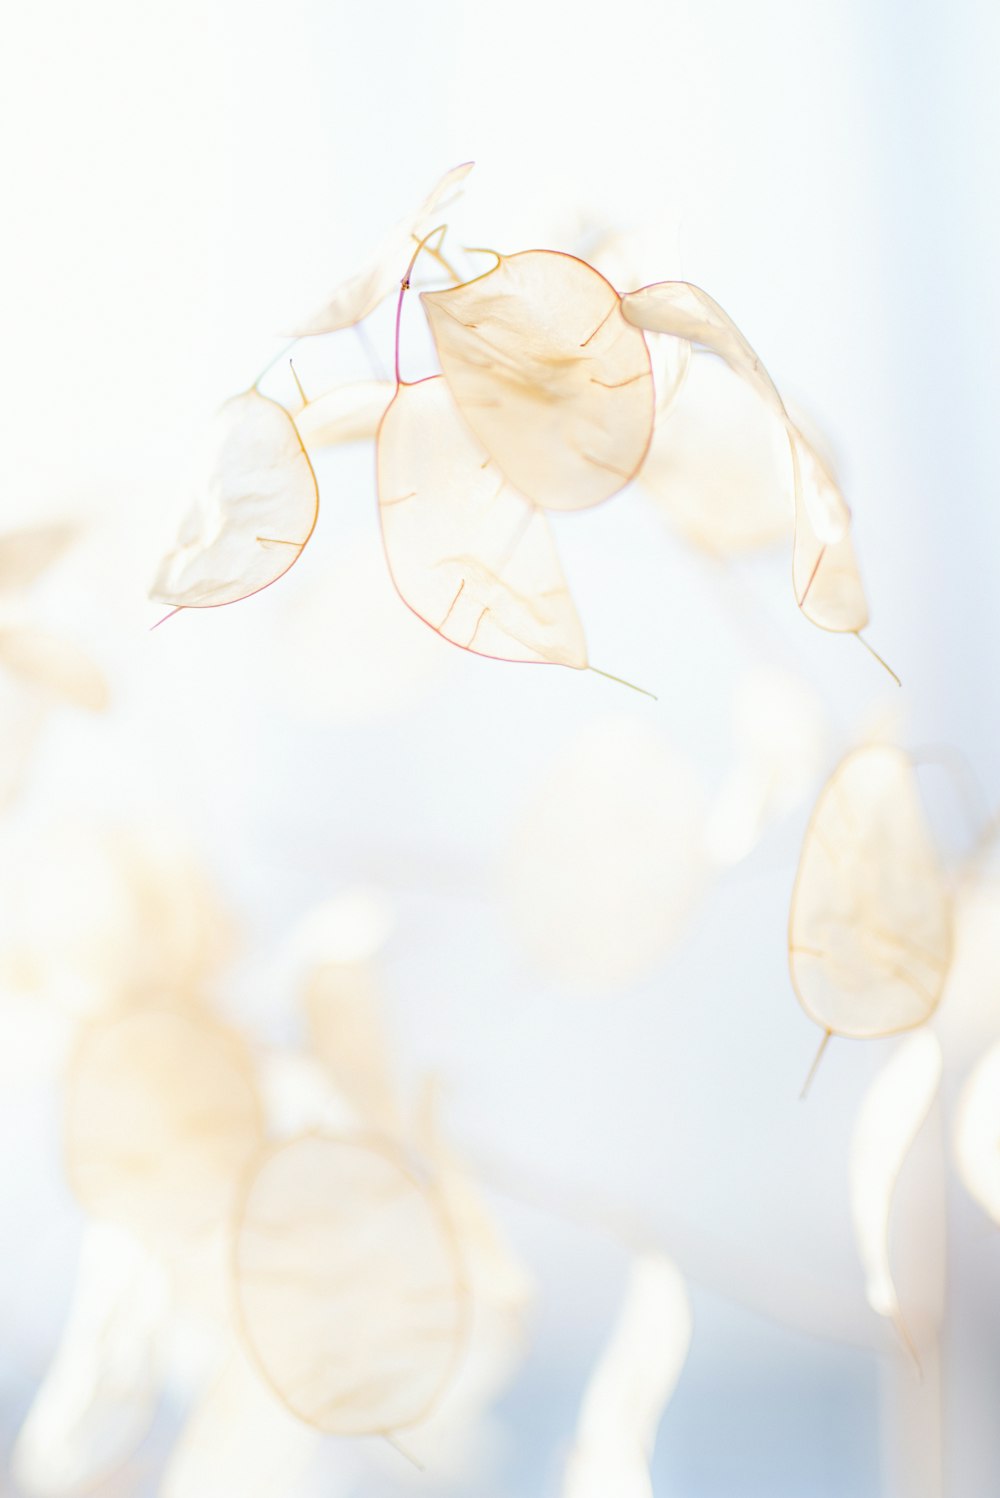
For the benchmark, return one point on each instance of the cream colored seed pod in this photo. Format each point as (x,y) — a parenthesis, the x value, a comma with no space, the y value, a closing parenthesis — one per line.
(349,1287)
(468,553)
(553,381)
(870,930)
(256,509)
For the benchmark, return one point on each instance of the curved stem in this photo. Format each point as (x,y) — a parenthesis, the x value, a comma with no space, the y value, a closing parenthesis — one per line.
(478,249)
(404,287)
(437,254)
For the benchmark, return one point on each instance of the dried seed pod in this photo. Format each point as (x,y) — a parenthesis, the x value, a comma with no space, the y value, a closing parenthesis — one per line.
(468,554)
(257,509)
(162,1116)
(361,294)
(553,381)
(348,1283)
(891,1115)
(870,929)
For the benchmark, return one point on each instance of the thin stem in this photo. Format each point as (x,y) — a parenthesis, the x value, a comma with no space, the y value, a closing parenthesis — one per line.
(398,1446)
(477,249)
(874,653)
(298,384)
(622,682)
(435,252)
(164,619)
(404,287)
(815,1066)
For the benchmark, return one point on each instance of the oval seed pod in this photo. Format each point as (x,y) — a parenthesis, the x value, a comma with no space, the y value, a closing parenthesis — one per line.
(162,1116)
(891,1115)
(349,1288)
(977,1133)
(870,930)
(553,381)
(468,554)
(257,508)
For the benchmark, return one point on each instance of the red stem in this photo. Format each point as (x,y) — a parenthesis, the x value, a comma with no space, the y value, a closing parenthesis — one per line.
(404,287)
